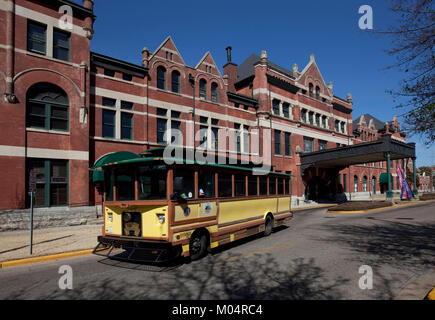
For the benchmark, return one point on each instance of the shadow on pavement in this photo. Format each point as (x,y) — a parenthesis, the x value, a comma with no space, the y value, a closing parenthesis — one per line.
(255,277)
(391,242)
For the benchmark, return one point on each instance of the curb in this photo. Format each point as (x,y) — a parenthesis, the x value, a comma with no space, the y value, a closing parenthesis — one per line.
(385,208)
(19,262)
(315,207)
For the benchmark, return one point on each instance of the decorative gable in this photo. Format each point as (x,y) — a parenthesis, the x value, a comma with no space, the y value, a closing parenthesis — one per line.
(207,64)
(311,74)
(168,51)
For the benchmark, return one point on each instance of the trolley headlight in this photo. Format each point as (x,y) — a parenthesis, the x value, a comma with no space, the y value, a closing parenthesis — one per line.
(161,218)
(126,217)
(110,217)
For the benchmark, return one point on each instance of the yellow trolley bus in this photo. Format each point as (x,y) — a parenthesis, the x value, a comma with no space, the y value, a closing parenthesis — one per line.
(157,212)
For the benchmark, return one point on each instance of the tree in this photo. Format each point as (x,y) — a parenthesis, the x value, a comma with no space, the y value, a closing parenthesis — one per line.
(410,179)
(426,170)
(428,173)
(413,47)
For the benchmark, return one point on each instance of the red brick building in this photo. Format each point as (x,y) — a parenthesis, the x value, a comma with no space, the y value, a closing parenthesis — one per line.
(64,107)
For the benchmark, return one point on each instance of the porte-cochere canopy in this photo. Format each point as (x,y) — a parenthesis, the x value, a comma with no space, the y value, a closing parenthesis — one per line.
(376,151)
(384,149)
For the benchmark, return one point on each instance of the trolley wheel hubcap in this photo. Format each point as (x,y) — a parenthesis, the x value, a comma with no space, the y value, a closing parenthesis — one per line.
(196,244)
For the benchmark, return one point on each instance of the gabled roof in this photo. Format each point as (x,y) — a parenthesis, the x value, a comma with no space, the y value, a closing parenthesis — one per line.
(168,39)
(246,69)
(379,125)
(307,67)
(208,54)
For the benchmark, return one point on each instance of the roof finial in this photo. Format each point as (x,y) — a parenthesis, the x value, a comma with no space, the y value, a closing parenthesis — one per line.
(263,54)
(295,68)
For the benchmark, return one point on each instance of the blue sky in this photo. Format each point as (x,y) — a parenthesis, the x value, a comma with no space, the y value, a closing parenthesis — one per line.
(290,31)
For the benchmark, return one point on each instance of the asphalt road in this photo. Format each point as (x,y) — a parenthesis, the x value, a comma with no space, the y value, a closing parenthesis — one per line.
(317,256)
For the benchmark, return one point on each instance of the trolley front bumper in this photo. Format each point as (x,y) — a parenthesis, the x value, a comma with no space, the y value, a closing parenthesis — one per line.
(136,250)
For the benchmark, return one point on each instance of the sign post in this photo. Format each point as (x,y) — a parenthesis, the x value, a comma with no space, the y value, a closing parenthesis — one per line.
(32,190)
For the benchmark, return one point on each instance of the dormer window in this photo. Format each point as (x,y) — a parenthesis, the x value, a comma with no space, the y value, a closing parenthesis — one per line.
(317,93)
(169,55)
(202,89)
(161,78)
(311,90)
(214,92)
(175,81)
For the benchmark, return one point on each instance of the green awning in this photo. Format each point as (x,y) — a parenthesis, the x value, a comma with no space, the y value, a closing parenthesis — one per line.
(383,178)
(97,176)
(97,172)
(114,157)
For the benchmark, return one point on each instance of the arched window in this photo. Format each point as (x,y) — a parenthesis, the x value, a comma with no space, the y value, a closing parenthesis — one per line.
(355,184)
(47,107)
(317,92)
(214,92)
(175,81)
(311,90)
(161,78)
(203,89)
(365,184)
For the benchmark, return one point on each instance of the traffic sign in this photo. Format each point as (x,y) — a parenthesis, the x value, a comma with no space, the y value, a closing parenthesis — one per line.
(32,181)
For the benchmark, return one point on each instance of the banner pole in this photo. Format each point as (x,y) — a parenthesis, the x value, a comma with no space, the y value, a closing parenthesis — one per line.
(31,222)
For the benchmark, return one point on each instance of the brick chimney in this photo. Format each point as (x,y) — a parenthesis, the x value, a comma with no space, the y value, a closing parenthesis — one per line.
(89,22)
(230,71)
(145,56)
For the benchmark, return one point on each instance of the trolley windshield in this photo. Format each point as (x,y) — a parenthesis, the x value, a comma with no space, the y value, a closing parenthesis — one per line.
(151,183)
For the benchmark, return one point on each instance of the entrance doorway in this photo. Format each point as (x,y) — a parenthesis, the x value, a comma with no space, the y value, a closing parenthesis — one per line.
(317,190)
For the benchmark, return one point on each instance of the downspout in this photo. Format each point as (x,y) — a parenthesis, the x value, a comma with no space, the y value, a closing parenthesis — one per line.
(192,83)
(145,63)
(9,94)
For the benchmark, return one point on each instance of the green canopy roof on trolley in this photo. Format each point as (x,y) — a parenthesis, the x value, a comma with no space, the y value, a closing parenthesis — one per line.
(157,154)
(111,158)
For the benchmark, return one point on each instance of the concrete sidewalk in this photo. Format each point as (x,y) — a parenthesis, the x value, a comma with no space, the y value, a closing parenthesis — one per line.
(16,245)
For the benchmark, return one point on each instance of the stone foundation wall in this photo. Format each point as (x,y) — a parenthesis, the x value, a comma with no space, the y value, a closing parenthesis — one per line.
(11,220)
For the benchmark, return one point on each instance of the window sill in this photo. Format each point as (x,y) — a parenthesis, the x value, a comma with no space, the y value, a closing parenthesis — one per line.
(46,57)
(282,117)
(168,91)
(116,79)
(65,133)
(119,140)
(315,99)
